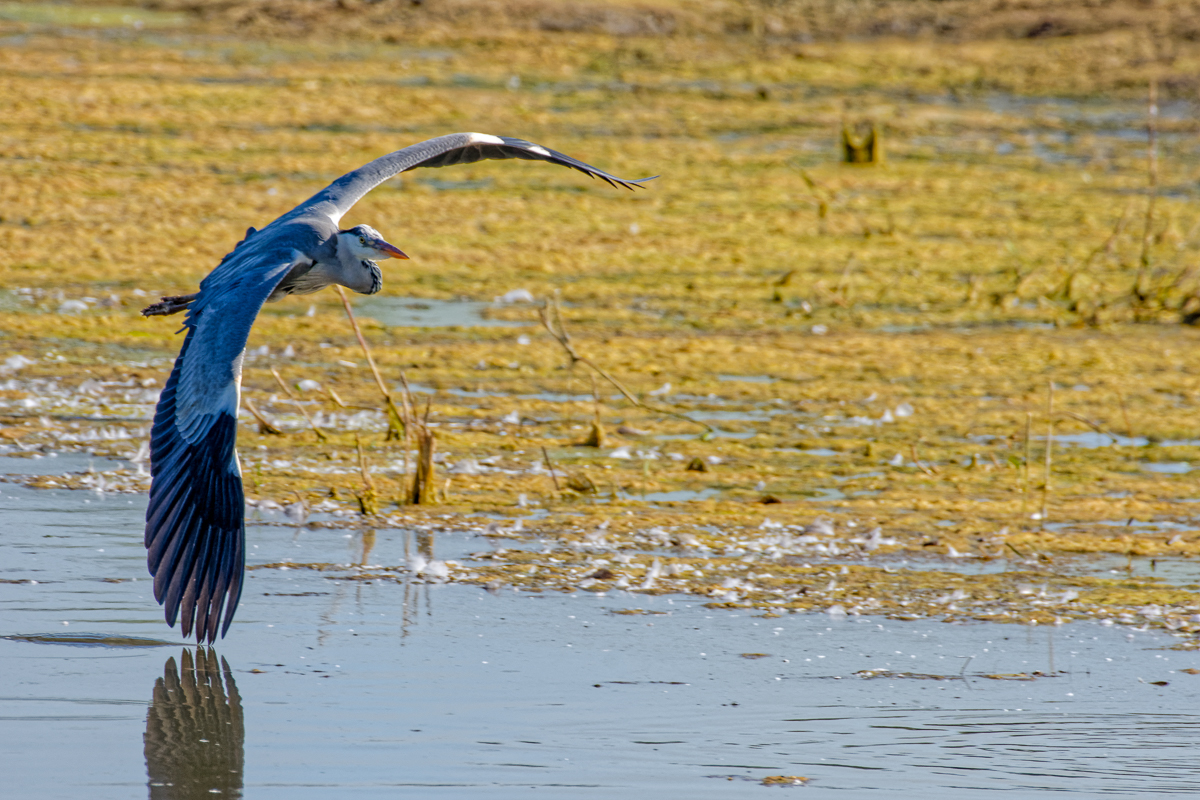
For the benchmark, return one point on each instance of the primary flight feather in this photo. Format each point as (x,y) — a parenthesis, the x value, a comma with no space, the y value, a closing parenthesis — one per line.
(195,523)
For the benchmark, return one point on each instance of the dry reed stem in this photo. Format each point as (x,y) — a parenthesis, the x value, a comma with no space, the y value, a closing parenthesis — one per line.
(368,501)
(1111,242)
(563,338)
(1025,465)
(842,289)
(264,425)
(1096,426)
(1125,415)
(550,466)
(1049,449)
(320,433)
(823,202)
(928,470)
(334,397)
(406,407)
(395,422)
(1151,178)
(596,435)
(423,490)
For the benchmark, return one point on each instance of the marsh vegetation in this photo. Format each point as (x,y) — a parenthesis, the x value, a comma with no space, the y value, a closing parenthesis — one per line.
(834,372)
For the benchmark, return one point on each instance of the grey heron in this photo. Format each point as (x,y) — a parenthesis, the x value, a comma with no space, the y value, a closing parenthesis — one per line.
(195,522)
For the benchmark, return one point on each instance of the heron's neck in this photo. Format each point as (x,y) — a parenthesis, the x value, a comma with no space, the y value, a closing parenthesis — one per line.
(344,256)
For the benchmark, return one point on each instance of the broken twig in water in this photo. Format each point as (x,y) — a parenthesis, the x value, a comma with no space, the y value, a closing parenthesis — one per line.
(320,433)
(1125,415)
(553,323)
(1096,426)
(928,470)
(264,425)
(550,467)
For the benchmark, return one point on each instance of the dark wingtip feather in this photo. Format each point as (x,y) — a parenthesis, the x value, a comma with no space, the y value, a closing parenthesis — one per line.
(195,527)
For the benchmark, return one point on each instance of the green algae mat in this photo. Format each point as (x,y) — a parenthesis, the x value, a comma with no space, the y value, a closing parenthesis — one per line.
(960,382)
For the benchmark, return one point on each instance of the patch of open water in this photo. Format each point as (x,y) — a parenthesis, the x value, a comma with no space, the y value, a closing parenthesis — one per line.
(328,687)
(746,378)
(1171,570)
(410,312)
(716,433)
(677,496)
(57,463)
(1167,467)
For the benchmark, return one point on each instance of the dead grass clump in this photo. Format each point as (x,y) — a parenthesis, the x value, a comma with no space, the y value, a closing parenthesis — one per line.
(424,484)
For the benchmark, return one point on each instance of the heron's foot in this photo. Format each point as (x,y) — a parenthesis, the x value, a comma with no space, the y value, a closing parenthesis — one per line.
(168,305)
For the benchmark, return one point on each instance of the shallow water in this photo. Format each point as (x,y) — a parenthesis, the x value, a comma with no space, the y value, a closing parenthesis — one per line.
(340,688)
(747,378)
(1167,467)
(56,463)
(1175,571)
(409,312)
(1091,439)
(677,496)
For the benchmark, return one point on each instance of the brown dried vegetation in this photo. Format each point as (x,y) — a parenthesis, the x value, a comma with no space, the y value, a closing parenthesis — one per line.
(863,344)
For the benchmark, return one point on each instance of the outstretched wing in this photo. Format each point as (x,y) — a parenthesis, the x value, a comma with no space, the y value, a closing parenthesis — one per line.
(195,523)
(444,151)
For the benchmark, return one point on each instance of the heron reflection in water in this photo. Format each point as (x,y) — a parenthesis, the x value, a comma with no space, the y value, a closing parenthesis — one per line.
(195,736)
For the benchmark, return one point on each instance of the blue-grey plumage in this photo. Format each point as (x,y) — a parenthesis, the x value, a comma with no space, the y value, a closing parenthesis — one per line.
(195,523)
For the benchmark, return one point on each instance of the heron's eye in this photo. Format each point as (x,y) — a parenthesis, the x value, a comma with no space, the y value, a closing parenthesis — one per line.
(362,240)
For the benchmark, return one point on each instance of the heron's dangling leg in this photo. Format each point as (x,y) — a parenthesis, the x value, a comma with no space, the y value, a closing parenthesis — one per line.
(169,305)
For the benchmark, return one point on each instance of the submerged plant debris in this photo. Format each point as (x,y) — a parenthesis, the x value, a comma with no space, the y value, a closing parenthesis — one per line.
(959,384)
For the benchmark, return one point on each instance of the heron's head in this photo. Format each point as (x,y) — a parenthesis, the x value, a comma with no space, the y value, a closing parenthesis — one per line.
(365,243)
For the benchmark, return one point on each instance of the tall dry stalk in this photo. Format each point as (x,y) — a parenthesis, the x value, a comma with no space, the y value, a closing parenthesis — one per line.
(1049,449)
(1151,177)
(596,434)
(406,409)
(424,490)
(1141,292)
(368,500)
(395,421)
(1125,415)
(1025,466)
(550,466)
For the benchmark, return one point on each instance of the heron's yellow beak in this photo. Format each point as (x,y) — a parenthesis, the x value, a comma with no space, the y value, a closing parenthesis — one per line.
(391,250)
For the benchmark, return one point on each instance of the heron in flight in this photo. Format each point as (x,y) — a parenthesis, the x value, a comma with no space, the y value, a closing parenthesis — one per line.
(195,523)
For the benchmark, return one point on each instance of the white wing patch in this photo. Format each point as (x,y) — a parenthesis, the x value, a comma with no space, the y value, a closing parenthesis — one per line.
(485,138)
(541,151)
